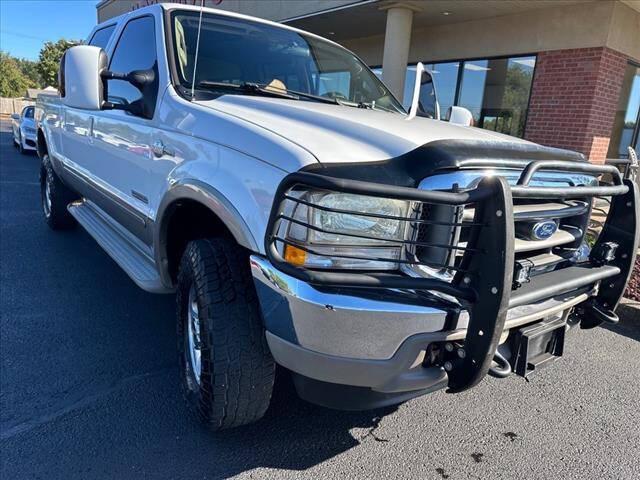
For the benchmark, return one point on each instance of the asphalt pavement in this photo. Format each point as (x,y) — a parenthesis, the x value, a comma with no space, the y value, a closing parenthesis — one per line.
(89,388)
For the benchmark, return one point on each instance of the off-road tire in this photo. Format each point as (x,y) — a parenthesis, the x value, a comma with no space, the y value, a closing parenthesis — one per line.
(55,213)
(237,369)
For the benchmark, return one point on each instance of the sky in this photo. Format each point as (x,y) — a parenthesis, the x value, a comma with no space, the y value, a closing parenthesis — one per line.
(26,24)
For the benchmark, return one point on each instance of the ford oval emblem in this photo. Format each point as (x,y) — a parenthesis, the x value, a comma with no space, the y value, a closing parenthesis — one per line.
(544,230)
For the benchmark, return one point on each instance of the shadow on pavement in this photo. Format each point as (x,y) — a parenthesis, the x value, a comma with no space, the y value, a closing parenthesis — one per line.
(296,435)
(629,325)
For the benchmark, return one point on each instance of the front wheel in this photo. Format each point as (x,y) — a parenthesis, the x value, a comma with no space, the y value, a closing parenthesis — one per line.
(227,368)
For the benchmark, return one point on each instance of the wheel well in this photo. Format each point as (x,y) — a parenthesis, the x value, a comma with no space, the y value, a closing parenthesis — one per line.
(41,145)
(187,220)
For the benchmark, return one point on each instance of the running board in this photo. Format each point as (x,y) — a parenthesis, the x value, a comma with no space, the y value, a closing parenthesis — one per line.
(120,246)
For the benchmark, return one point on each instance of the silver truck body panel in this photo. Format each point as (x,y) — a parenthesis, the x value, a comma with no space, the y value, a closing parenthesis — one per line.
(230,154)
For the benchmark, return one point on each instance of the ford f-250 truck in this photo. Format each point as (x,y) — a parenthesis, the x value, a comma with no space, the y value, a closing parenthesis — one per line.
(306,220)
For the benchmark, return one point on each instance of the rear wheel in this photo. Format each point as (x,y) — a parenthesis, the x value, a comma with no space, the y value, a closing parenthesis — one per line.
(227,368)
(55,197)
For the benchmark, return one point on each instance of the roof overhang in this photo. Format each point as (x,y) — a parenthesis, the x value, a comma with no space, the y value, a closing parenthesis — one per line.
(368,18)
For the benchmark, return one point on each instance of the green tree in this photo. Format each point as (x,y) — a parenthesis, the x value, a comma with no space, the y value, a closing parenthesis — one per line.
(49,60)
(30,70)
(13,82)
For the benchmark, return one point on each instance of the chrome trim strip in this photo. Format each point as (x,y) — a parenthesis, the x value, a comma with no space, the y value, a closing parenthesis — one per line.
(83,176)
(471,178)
(558,238)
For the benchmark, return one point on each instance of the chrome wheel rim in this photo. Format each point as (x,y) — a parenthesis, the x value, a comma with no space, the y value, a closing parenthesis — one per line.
(46,203)
(193,332)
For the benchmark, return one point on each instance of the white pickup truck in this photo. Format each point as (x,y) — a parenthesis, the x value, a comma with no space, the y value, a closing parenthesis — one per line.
(306,220)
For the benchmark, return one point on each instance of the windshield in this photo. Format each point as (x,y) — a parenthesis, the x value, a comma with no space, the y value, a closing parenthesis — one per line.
(28,112)
(237,51)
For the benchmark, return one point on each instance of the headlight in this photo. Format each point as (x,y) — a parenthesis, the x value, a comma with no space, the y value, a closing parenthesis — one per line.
(347,231)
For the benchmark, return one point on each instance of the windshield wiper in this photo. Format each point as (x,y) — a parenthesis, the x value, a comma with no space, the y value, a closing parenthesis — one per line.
(374,106)
(317,98)
(266,90)
(245,87)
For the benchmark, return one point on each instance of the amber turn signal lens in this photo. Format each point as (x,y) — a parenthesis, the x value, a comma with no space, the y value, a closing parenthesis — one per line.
(294,255)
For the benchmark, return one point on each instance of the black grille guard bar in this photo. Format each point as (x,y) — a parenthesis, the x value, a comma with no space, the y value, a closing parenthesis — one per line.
(486,293)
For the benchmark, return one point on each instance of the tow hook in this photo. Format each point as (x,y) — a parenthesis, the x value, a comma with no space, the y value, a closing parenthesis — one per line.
(594,314)
(454,353)
(502,368)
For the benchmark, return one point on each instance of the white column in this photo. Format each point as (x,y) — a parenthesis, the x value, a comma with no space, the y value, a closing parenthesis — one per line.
(397,40)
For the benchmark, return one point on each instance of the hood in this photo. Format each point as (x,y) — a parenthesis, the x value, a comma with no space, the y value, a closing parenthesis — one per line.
(335,133)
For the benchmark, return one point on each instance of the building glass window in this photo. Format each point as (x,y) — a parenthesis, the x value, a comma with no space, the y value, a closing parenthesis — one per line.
(472,84)
(626,124)
(496,91)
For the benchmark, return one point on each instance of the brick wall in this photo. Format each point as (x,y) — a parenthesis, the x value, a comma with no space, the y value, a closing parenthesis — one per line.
(573,99)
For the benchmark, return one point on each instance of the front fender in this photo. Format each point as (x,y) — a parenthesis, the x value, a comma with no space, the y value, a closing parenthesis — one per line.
(215,201)
(239,190)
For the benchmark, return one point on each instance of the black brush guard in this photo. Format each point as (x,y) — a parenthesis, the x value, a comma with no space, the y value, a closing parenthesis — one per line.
(482,281)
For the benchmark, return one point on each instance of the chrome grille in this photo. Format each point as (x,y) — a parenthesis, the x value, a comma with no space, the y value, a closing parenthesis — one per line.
(563,248)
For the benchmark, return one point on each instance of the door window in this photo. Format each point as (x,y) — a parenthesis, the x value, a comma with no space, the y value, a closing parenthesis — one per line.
(101,37)
(136,50)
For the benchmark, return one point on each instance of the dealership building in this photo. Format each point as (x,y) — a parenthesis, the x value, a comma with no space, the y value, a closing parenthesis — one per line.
(564,73)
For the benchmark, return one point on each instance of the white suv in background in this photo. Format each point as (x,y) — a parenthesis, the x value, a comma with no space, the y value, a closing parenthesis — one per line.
(24,129)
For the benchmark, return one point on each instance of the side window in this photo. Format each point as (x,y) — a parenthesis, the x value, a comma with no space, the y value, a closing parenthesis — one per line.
(101,37)
(136,50)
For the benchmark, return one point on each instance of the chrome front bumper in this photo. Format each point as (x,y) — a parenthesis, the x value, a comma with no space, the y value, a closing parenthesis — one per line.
(341,325)
(346,339)
(378,343)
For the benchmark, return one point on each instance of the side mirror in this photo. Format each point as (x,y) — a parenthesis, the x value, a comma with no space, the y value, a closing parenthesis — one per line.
(83,79)
(460,116)
(15,116)
(144,80)
(79,77)
(425,99)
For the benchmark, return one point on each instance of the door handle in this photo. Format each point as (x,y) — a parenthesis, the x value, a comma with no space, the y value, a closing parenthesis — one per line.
(159,149)
(91,122)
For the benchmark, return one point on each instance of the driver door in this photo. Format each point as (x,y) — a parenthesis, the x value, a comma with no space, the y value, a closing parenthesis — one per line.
(123,162)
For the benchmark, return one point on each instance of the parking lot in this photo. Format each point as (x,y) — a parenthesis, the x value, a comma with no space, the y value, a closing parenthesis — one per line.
(89,388)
